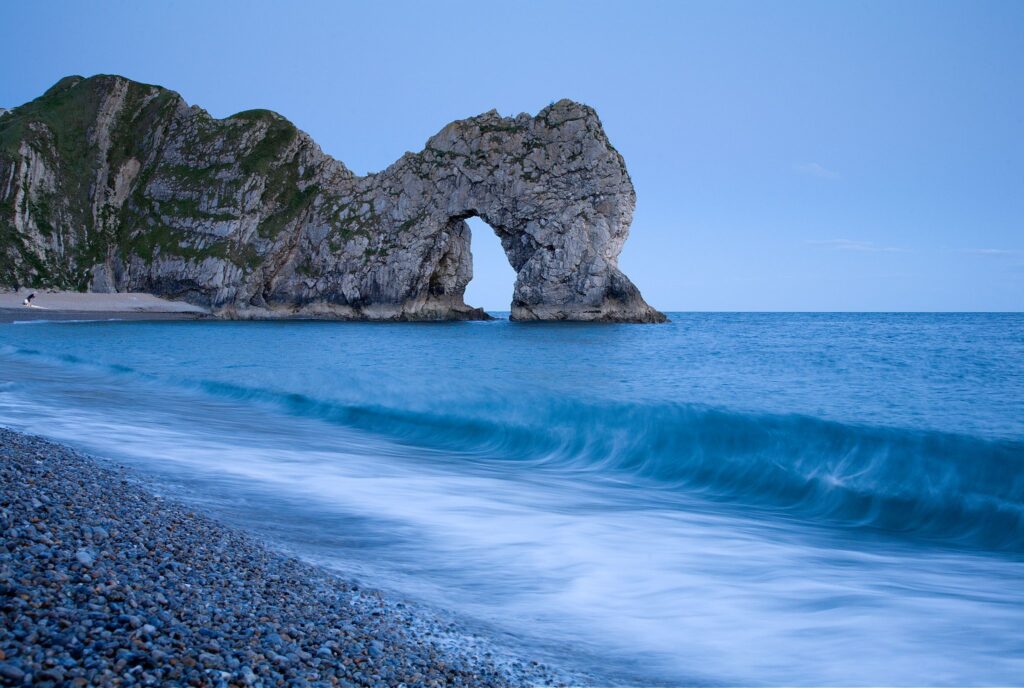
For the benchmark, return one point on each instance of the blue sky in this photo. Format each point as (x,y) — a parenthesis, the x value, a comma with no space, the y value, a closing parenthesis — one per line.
(786,156)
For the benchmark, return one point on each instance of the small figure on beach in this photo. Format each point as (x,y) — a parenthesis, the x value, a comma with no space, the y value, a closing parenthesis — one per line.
(28,299)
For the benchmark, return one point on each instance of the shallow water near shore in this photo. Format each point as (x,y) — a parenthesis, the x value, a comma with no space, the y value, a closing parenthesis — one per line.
(729,498)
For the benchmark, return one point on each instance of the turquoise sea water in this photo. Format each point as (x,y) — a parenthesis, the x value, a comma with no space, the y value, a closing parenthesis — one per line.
(729,498)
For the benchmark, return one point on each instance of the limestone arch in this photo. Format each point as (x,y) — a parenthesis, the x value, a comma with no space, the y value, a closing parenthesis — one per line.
(558,197)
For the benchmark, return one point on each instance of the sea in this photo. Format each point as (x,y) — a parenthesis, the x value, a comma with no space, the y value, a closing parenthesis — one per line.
(726,499)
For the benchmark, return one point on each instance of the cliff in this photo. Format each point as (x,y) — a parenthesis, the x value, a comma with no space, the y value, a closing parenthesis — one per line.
(112,185)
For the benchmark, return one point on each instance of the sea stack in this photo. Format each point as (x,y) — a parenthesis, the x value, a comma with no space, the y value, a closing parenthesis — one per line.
(107,184)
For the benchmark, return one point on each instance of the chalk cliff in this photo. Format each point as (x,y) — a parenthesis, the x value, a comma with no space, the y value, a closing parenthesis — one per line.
(112,185)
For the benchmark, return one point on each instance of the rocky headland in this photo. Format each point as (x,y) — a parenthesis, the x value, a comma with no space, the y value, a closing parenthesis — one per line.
(109,185)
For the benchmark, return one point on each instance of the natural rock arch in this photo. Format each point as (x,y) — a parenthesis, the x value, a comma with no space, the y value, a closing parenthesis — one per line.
(551,187)
(248,216)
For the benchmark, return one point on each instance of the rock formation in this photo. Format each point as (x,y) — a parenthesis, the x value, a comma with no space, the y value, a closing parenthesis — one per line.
(111,185)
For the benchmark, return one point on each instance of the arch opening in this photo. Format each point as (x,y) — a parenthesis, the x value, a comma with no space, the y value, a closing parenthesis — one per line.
(493,282)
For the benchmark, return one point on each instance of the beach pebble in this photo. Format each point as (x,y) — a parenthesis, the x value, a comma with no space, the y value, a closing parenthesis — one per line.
(102,584)
(11,672)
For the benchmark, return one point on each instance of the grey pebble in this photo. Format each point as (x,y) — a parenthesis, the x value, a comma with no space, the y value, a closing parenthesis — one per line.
(9,671)
(174,598)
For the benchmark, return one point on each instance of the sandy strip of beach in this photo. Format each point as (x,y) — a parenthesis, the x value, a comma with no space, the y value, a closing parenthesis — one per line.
(101,580)
(65,305)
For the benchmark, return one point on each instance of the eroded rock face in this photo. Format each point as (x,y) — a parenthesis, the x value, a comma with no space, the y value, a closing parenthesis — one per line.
(111,185)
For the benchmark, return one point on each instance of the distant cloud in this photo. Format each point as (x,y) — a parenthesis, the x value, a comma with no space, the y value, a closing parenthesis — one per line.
(857,246)
(993,252)
(814,169)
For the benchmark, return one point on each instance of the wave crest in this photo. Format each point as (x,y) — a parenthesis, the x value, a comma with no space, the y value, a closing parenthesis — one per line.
(955,489)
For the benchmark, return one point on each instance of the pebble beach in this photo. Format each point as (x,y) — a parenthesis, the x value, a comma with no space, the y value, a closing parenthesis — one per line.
(104,583)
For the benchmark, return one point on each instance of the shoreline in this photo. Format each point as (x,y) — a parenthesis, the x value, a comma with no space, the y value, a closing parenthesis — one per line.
(104,583)
(9,316)
(70,306)
(66,305)
(122,302)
